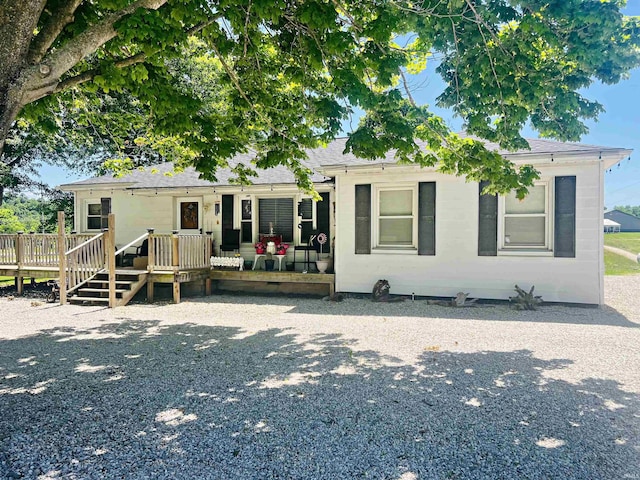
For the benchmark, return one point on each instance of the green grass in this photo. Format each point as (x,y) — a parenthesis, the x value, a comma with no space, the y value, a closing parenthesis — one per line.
(629,241)
(615,264)
(4,281)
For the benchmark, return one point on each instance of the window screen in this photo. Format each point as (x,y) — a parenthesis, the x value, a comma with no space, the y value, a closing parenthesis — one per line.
(276,213)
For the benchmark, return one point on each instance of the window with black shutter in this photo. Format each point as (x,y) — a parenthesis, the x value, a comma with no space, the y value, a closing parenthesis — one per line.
(276,214)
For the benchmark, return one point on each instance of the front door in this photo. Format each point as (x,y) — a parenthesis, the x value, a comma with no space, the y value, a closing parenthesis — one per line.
(189,215)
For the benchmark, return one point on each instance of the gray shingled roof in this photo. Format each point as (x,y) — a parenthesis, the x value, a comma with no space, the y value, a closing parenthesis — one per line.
(331,155)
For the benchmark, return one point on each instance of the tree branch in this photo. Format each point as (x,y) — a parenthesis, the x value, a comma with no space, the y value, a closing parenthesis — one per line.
(123,63)
(90,74)
(43,78)
(50,31)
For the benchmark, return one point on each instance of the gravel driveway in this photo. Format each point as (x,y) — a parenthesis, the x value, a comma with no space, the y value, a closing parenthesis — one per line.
(242,387)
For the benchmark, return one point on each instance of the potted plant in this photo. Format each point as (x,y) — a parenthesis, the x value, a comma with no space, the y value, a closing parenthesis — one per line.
(282,249)
(261,248)
(321,264)
(269,262)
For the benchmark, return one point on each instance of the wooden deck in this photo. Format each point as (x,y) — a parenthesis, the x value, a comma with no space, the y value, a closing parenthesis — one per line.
(276,278)
(171,259)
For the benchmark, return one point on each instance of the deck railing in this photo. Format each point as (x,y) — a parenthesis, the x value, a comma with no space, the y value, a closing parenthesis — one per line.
(84,261)
(168,251)
(8,246)
(35,249)
(194,251)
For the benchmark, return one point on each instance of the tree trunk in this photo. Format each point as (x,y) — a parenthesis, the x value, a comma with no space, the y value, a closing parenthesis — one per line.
(1,195)
(18,20)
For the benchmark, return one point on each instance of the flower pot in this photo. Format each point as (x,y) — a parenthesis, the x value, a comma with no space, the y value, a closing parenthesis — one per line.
(268,264)
(260,251)
(281,252)
(322,265)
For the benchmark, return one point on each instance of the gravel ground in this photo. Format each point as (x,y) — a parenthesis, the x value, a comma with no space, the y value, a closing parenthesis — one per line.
(246,387)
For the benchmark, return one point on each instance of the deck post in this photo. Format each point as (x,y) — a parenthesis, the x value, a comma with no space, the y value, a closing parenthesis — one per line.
(175,262)
(151,255)
(110,247)
(149,290)
(19,262)
(62,259)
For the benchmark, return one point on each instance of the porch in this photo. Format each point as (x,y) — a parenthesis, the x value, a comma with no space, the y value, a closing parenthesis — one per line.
(93,276)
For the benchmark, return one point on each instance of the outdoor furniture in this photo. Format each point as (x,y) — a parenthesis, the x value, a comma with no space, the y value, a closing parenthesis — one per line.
(311,246)
(264,255)
(230,241)
(232,262)
(142,250)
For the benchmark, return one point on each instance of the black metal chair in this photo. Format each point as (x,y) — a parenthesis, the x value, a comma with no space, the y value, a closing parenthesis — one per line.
(142,250)
(230,241)
(311,246)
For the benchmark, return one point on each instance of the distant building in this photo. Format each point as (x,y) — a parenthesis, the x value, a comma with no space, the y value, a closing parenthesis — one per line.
(628,222)
(610,226)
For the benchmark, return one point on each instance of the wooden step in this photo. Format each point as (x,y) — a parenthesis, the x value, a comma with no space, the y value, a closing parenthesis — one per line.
(127,283)
(101,290)
(88,300)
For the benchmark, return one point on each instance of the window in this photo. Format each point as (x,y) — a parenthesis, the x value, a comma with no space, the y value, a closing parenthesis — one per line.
(98,214)
(395,225)
(276,214)
(94,216)
(526,222)
(246,222)
(305,212)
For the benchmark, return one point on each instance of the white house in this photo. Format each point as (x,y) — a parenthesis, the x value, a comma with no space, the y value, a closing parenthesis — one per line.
(427,233)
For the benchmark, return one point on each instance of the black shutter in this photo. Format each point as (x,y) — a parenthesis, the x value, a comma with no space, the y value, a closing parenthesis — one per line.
(487,224)
(105,210)
(322,220)
(565,217)
(427,218)
(363,219)
(227,216)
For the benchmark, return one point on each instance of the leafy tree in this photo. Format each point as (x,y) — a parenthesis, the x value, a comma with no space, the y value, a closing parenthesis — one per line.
(288,73)
(631,210)
(20,213)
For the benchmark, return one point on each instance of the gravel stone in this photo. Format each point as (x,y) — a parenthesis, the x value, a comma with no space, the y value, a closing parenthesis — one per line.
(233,386)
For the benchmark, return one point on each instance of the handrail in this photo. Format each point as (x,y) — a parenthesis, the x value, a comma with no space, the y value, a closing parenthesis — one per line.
(83,262)
(132,243)
(83,244)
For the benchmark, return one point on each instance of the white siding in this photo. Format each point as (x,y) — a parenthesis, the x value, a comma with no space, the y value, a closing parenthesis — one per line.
(456,265)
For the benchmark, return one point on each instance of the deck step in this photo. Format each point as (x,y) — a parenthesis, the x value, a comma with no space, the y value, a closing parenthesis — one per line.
(96,290)
(127,283)
(88,300)
(102,290)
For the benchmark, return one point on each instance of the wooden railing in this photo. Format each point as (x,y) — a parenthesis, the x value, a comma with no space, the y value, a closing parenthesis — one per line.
(169,251)
(35,249)
(8,249)
(194,251)
(84,261)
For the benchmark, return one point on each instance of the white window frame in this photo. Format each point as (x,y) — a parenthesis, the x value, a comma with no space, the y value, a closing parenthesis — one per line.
(375,227)
(506,248)
(86,216)
(298,218)
(256,206)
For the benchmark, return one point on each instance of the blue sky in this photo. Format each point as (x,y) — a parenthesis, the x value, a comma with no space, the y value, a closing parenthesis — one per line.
(618,126)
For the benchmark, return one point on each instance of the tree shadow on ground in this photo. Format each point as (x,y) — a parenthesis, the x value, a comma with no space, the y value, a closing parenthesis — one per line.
(138,400)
